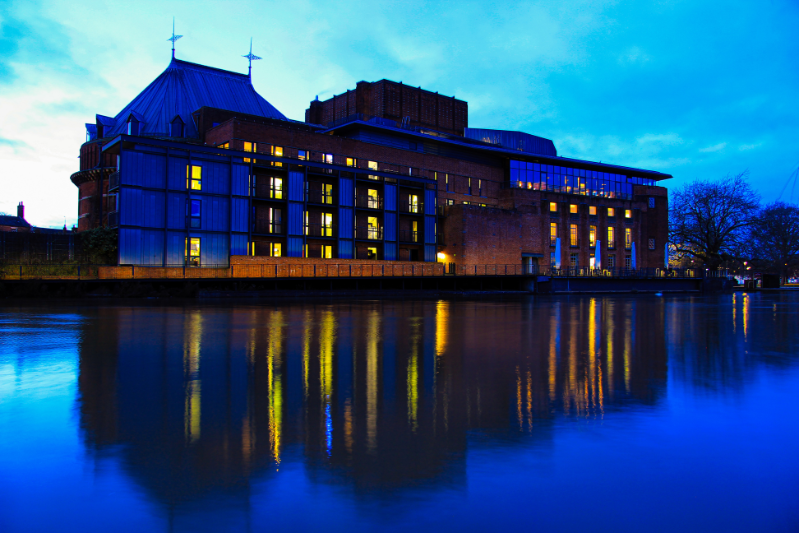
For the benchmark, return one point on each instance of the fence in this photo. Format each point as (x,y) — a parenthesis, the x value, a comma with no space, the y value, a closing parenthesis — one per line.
(323,270)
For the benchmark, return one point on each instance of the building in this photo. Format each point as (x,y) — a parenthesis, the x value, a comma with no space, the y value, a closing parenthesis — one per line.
(199,167)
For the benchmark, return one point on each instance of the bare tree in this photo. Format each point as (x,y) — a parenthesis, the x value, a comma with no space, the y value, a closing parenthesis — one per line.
(776,238)
(710,220)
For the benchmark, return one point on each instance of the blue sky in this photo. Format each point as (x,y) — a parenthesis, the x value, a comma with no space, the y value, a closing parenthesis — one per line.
(694,89)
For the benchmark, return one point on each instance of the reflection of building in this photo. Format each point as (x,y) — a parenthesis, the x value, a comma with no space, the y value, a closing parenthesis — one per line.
(381,396)
(199,167)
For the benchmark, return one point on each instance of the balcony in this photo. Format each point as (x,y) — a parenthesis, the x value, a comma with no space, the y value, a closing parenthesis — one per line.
(320,230)
(267,192)
(113,181)
(319,196)
(113,219)
(267,227)
(409,235)
(369,202)
(371,233)
(413,208)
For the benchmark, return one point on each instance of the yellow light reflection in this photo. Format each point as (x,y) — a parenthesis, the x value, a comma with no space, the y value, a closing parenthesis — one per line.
(275,383)
(193,330)
(373,336)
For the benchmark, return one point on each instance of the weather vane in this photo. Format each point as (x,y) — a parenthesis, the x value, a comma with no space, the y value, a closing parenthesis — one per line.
(250,58)
(174,37)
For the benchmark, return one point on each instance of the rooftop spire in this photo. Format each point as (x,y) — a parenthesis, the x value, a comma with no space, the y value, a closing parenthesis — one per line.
(250,58)
(174,37)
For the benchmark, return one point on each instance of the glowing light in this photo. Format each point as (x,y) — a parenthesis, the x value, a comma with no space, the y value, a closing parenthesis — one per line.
(440,256)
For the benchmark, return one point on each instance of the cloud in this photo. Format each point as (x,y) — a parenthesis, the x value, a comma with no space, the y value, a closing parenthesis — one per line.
(714,148)
(747,147)
(664,139)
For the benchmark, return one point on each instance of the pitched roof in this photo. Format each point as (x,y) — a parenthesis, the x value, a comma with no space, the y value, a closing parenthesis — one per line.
(13,221)
(185,87)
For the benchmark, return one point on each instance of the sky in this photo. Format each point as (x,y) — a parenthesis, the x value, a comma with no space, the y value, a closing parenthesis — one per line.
(698,90)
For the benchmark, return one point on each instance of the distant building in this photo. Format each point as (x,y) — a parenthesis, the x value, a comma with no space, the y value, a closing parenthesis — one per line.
(15,223)
(199,167)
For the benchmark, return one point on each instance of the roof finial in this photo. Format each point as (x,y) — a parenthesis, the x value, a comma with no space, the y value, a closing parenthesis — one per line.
(174,37)
(250,58)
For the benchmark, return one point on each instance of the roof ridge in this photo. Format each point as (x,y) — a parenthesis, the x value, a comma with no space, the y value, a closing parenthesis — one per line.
(189,64)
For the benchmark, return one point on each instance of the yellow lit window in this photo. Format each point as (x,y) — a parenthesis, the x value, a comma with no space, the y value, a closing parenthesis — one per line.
(327,252)
(413,203)
(276,188)
(351,162)
(193,251)
(593,210)
(373,231)
(553,207)
(249,147)
(628,213)
(225,146)
(446,182)
(277,151)
(592,235)
(327,193)
(328,158)
(194,175)
(327,225)
(611,236)
(553,233)
(372,253)
(573,235)
(628,238)
(373,201)
(573,208)
(372,165)
(611,211)
(275,249)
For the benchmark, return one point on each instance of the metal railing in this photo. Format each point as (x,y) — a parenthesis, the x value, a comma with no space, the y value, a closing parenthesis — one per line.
(320,230)
(318,196)
(370,202)
(267,227)
(410,207)
(409,236)
(266,192)
(113,181)
(338,270)
(369,233)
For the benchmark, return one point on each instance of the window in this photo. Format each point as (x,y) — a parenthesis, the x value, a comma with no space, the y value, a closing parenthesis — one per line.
(276,188)
(351,162)
(628,238)
(302,155)
(373,231)
(413,203)
(193,251)
(611,261)
(327,225)
(553,233)
(273,222)
(446,182)
(628,261)
(226,146)
(593,210)
(628,213)
(414,230)
(592,235)
(552,259)
(611,211)
(611,236)
(480,188)
(277,151)
(651,202)
(573,260)
(194,213)
(273,249)
(327,193)
(372,165)
(373,201)
(651,244)
(327,158)
(194,175)
(327,251)
(592,261)
(573,235)
(450,201)
(372,253)
(249,147)
(553,207)
(573,209)
(469,186)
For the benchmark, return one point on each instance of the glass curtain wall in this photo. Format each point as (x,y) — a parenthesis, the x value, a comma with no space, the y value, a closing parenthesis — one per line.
(540,177)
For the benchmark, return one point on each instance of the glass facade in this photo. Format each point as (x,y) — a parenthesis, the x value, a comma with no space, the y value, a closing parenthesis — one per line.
(541,177)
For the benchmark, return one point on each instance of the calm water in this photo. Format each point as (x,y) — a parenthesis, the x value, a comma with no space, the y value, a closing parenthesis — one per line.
(552,414)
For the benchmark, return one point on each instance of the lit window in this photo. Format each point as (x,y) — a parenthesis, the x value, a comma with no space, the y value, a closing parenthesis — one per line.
(275,249)
(553,207)
(628,213)
(277,151)
(372,165)
(573,235)
(373,201)
(628,238)
(302,155)
(450,201)
(372,253)
(469,186)
(446,182)
(249,147)
(276,188)
(611,236)
(553,233)
(193,251)
(194,213)
(373,230)
(327,252)
(327,225)
(327,193)
(226,146)
(275,220)
(592,235)
(573,209)
(351,162)
(413,203)
(552,259)
(480,188)
(611,211)
(327,158)
(593,210)
(194,175)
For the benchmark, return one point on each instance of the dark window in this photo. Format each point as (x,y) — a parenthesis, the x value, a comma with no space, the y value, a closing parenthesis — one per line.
(194,214)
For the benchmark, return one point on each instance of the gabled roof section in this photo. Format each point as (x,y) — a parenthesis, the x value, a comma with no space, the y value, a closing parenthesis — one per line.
(14,222)
(185,87)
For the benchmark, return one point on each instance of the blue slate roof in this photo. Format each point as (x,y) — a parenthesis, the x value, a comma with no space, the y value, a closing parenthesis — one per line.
(515,140)
(185,87)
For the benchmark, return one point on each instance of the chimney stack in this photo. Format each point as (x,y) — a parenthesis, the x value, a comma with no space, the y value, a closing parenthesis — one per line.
(21,211)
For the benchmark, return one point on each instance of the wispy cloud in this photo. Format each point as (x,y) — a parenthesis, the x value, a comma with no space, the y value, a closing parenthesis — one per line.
(715,148)
(747,147)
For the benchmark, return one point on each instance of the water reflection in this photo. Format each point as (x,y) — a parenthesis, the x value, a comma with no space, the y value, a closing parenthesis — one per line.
(378,396)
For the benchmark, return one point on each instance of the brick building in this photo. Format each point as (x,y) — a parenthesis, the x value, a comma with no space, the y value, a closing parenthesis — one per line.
(384,172)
